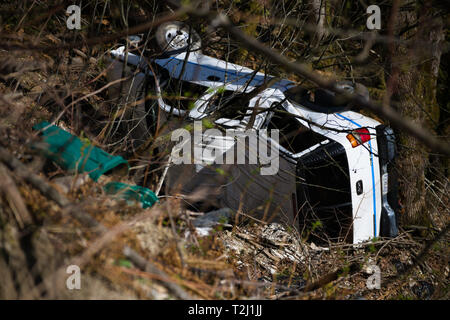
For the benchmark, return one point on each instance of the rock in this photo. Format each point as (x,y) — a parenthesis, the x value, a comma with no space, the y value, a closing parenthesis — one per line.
(205,223)
(203,231)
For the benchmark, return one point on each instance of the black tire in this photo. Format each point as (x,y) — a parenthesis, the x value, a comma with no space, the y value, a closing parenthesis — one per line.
(326,97)
(136,117)
(174,37)
(326,101)
(134,121)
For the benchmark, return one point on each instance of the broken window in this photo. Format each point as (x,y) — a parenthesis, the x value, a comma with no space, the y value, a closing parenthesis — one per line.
(293,136)
(323,192)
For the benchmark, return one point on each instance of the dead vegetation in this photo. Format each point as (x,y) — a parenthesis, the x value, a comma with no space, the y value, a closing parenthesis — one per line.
(126,252)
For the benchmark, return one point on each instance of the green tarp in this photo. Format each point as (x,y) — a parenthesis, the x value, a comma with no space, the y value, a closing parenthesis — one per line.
(72,154)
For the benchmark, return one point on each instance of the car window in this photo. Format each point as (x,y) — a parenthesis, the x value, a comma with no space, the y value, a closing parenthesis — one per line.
(229,105)
(293,136)
(297,94)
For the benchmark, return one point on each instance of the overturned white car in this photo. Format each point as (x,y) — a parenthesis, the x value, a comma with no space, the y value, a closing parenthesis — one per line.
(334,164)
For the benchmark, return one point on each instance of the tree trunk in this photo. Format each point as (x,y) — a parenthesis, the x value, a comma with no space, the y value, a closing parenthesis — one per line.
(413,78)
(317,18)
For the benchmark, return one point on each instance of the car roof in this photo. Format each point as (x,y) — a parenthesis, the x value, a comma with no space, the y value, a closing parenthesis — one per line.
(200,68)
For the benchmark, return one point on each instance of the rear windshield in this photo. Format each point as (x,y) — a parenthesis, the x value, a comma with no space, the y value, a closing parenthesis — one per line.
(297,94)
(323,192)
(293,136)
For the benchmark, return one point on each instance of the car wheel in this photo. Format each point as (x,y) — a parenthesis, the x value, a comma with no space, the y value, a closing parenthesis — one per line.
(175,37)
(327,98)
(130,97)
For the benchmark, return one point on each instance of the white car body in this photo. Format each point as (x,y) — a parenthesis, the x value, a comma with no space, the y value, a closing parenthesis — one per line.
(363,161)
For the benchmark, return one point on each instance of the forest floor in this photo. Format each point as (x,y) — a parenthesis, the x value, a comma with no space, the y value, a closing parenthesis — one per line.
(126,252)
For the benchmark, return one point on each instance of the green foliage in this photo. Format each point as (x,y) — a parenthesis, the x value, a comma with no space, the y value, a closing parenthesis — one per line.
(125,263)
(372,248)
(344,271)
(317,224)
(220,171)
(207,123)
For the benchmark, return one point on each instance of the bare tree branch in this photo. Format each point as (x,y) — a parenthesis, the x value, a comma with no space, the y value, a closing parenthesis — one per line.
(386,112)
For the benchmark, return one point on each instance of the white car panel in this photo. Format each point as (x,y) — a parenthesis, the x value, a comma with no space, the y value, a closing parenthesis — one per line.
(362,160)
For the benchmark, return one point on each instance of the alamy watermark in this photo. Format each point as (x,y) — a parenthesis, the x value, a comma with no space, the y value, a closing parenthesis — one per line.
(373,21)
(74,280)
(374,281)
(74,20)
(237,146)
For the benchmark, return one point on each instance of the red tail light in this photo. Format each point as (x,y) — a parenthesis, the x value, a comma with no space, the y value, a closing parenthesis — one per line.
(358,137)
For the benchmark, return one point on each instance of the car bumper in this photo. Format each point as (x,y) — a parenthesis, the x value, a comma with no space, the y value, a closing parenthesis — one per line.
(386,156)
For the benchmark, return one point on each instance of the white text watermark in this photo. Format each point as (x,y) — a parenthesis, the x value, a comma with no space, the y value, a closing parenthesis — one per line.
(213,147)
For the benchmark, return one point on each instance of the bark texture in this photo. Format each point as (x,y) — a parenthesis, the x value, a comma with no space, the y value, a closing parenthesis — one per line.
(414,72)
